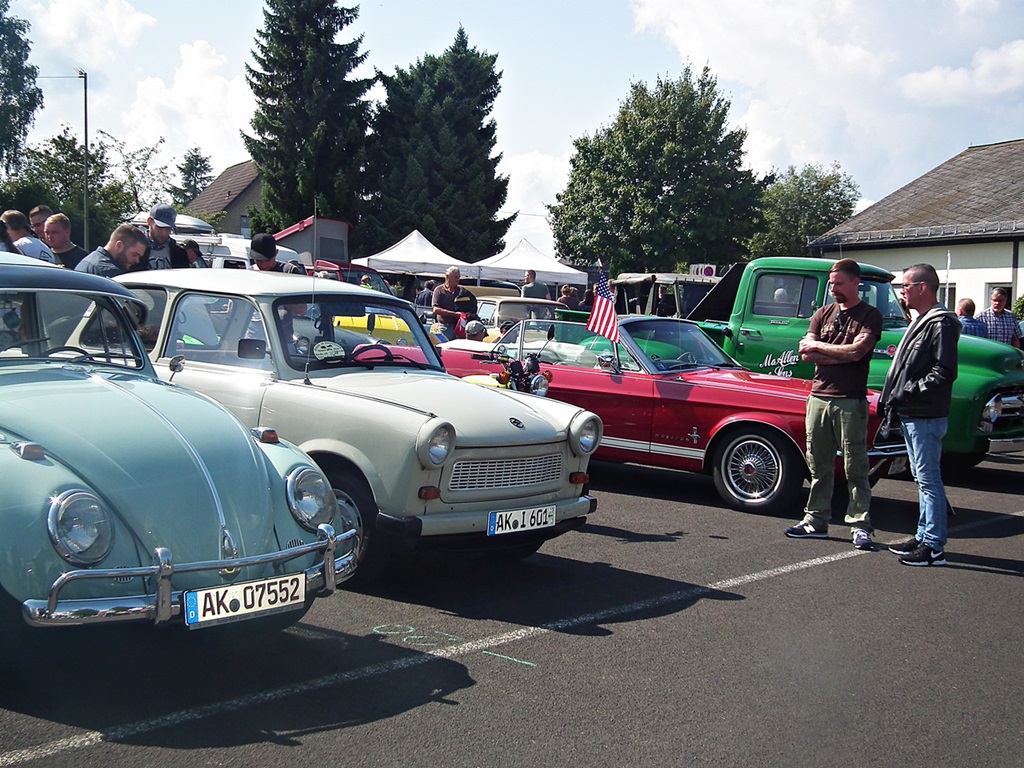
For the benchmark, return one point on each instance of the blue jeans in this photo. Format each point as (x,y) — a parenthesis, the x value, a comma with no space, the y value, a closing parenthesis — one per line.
(924,449)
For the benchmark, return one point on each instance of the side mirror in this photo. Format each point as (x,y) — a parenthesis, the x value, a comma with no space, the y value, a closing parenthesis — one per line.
(607,362)
(252,349)
(176,365)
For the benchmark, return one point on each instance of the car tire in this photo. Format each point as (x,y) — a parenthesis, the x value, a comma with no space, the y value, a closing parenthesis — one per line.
(356,508)
(758,470)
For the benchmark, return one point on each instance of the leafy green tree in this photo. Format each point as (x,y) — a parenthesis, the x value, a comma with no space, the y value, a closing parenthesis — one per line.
(142,179)
(52,173)
(800,205)
(661,186)
(432,165)
(196,174)
(20,97)
(311,119)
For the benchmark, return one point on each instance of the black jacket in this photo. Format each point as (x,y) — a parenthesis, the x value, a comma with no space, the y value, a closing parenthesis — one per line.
(919,384)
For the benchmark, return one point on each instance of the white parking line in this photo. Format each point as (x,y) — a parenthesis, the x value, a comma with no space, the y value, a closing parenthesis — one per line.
(130,730)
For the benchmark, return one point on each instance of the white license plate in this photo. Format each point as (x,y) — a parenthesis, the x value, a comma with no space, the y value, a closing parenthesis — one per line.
(898,465)
(246,600)
(517,520)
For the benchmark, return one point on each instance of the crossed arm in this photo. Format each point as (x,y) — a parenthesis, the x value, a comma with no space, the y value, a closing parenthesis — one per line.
(820,353)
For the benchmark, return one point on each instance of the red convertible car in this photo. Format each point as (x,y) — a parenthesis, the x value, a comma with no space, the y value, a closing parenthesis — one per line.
(670,397)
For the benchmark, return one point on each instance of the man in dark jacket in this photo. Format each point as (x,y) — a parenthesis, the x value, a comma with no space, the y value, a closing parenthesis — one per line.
(918,390)
(163,251)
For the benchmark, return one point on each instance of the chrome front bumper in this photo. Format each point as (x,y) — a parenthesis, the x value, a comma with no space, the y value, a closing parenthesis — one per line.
(164,604)
(1006,445)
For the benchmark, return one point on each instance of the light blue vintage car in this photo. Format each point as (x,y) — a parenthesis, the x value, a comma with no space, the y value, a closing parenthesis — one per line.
(125,498)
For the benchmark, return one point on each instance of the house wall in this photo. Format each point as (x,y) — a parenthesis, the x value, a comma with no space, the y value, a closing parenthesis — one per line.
(975,268)
(235,212)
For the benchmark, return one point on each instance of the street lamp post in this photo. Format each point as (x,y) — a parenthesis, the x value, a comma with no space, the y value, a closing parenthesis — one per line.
(85,178)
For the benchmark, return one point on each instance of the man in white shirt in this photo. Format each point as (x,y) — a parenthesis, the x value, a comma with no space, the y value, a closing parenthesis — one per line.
(21,233)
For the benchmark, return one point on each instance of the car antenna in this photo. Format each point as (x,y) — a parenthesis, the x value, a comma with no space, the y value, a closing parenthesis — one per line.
(309,350)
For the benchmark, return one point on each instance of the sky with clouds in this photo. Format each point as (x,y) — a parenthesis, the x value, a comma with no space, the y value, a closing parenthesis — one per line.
(887,88)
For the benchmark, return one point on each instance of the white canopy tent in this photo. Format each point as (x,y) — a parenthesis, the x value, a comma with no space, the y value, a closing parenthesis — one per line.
(511,265)
(414,255)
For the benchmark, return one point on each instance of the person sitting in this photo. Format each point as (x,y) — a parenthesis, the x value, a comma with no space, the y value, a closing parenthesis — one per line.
(568,299)
(475,330)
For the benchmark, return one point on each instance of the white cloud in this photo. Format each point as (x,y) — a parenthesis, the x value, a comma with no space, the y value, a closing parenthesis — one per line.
(534,179)
(992,73)
(201,107)
(94,33)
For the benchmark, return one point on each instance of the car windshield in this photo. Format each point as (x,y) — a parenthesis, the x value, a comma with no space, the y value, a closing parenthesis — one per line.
(883,297)
(661,344)
(351,332)
(67,326)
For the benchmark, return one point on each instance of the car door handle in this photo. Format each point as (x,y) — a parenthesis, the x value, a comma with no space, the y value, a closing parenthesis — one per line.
(751,334)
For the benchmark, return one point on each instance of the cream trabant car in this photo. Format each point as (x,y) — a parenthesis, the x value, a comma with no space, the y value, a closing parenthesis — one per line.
(350,376)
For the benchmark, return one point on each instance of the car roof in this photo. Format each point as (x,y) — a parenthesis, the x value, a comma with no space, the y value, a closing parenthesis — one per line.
(25,273)
(246,282)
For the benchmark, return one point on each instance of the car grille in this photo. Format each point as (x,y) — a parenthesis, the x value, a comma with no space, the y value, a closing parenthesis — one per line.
(480,475)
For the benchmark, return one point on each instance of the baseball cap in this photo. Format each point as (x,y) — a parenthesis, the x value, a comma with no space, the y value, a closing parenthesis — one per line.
(474,327)
(263,247)
(163,215)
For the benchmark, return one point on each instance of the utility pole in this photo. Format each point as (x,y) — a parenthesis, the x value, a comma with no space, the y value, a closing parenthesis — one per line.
(85,179)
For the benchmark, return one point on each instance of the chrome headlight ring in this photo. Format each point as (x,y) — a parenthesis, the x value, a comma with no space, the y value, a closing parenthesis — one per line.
(585,433)
(435,443)
(80,526)
(311,499)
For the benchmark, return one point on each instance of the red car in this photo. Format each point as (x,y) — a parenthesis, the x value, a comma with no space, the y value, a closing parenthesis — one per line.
(670,397)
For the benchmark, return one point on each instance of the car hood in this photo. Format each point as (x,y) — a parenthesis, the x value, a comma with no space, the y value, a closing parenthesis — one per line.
(173,465)
(480,415)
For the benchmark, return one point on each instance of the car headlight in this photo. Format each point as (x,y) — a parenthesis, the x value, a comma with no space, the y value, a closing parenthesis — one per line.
(435,443)
(310,498)
(539,384)
(80,527)
(585,433)
(993,410)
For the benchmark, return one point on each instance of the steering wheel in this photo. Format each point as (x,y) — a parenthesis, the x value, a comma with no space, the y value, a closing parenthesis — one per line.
(687,357)
(55,350)
(357,353)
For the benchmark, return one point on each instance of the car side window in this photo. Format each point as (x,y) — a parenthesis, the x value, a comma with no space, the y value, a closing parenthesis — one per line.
(208,328)
(155,301)
(785,295)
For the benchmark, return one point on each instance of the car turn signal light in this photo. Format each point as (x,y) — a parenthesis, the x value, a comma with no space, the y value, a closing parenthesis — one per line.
(579,478)
(429,492)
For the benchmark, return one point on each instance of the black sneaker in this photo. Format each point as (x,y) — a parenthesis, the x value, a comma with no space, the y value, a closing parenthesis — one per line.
(805,531)
(924,555)
(904,546)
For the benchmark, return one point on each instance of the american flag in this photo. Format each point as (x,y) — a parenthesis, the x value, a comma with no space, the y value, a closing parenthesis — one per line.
(603,319)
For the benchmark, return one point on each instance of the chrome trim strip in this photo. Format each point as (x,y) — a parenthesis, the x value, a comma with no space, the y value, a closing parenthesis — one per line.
(661,449)
(1005,444)
(165,604)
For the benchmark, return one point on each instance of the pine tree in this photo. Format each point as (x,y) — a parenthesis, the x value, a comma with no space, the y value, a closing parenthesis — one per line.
(311,120)
(196,174)
(431,163)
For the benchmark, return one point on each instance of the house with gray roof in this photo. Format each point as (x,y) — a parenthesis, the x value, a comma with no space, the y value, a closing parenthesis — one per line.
(967,213)
(237,187)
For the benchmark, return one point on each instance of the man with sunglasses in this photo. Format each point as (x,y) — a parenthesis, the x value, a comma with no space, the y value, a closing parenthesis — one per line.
(839,341)
(918,390)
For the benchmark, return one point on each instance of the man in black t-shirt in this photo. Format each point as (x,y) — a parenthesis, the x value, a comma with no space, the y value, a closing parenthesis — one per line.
(839,343)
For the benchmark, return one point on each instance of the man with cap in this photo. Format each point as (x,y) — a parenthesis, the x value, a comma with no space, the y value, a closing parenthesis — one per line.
(163,252)
(475,330)
(263,252)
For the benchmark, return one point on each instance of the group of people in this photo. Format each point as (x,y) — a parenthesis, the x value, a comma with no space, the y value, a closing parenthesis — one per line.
(46,235)
(917,392)
(997,322)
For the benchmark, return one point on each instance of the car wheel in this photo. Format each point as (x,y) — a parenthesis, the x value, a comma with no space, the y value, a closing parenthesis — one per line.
(758,471)
(357,509)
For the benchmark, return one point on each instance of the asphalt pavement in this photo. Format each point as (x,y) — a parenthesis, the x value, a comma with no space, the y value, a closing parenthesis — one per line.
(668,631)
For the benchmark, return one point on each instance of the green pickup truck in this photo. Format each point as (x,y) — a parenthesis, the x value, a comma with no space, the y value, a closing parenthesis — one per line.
(758,312)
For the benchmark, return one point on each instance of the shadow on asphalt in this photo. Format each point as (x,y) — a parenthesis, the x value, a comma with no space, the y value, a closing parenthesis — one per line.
(565,595)
(254,689)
